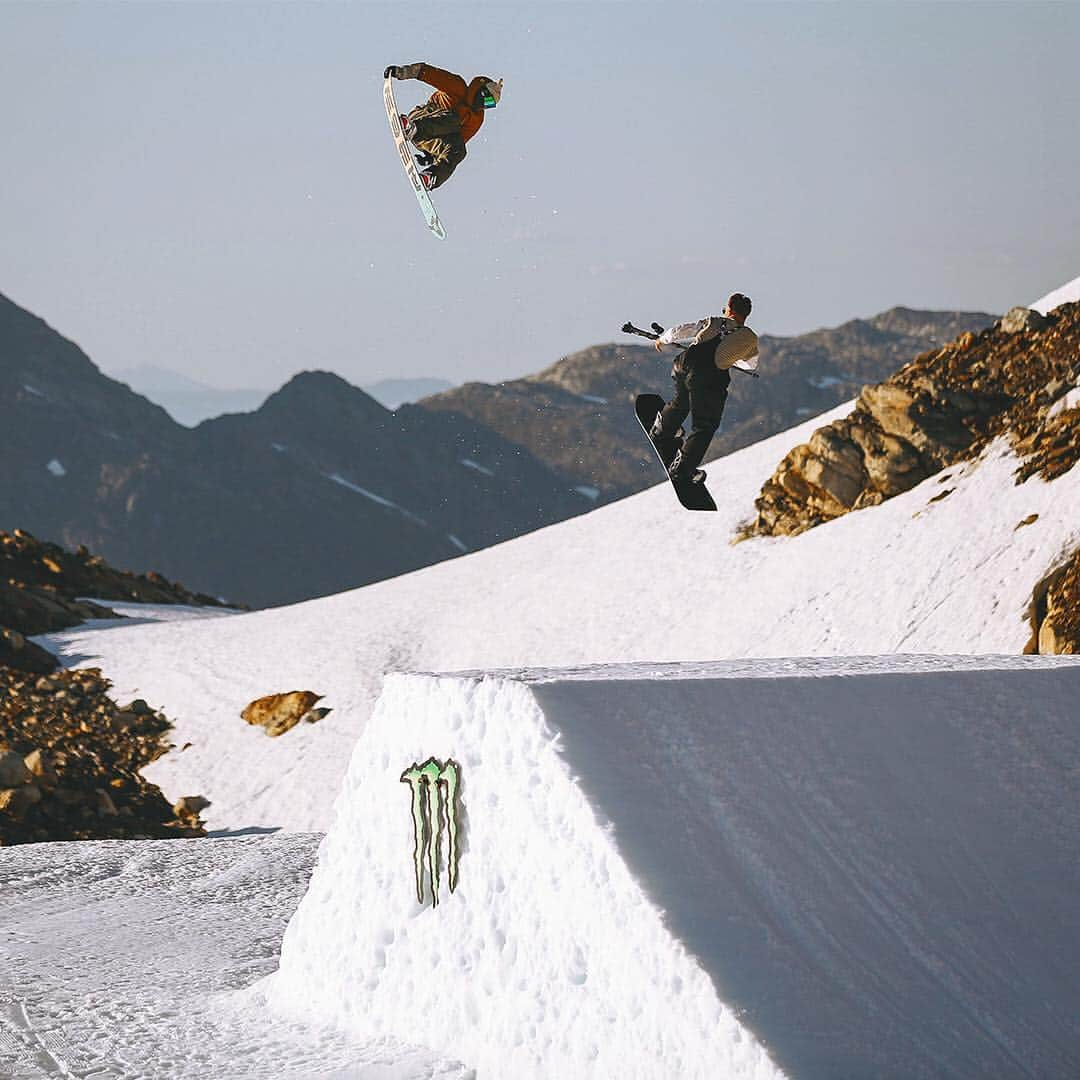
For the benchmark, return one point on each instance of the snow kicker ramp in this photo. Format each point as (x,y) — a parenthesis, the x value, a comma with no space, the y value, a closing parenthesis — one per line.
(830,868)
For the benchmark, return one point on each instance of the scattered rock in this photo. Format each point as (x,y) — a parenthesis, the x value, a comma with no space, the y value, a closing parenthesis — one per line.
(1055,611)
(17,652)
(14,802)
(41,769)
(190,806)
(1020,320)
(13,770)
(75,770)
(277,713)
(51,581)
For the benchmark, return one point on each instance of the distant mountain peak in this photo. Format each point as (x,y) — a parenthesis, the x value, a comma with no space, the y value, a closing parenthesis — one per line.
(318,390)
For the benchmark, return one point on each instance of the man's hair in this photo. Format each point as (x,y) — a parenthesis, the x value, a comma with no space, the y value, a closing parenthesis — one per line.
(740,304)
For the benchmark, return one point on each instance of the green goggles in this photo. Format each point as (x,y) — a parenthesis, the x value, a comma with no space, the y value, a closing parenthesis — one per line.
(488,100)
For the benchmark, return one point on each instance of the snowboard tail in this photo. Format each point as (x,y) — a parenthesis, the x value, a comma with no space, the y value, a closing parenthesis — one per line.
(692,496)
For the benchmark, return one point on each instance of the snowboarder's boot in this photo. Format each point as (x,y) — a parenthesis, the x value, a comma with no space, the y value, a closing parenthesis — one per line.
(677,472)
(429,180)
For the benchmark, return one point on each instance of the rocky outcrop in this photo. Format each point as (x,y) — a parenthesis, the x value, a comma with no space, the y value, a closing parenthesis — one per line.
(69,756)
(1055,611)
(40,589)
(40,609)
(278,713)
(17,652)
(1019,319)
(1018,378)
(70,762)
(65,575)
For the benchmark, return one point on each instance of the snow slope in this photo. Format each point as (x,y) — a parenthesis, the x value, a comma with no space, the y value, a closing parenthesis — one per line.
(637,580)
(1064,295)
(874,864)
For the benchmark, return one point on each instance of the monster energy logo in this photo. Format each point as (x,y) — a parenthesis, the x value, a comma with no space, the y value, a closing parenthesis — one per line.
(434,804)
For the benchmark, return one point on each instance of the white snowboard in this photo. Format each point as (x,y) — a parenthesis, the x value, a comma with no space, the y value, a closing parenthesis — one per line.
(413,173)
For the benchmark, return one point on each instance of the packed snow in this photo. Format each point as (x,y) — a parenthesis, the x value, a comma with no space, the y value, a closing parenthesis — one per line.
(874,865)
(549,958)
(128,960)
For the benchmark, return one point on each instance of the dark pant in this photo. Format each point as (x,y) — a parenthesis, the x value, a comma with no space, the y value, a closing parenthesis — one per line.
(702,398)
(437,133)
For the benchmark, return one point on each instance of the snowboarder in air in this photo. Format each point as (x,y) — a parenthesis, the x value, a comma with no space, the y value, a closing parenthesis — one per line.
(701,378)
(442,126)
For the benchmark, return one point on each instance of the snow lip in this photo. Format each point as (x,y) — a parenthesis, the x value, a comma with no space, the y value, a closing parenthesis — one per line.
(760,668)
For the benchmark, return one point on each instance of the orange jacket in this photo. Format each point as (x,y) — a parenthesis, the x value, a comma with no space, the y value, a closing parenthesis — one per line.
(452,94)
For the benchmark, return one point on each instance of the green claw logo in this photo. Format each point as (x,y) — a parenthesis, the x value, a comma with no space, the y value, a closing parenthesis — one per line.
(435,802)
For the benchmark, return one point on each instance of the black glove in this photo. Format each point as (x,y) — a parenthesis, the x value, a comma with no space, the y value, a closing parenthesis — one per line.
(391,73)
(424,160)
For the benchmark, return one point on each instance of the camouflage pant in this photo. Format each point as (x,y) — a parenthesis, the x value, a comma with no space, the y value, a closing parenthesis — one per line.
(437,133)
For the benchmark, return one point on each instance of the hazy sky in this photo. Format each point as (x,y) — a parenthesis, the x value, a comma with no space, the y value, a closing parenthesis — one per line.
(212,188)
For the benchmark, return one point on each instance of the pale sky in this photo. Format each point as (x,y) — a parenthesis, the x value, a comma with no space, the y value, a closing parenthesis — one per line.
(212,188)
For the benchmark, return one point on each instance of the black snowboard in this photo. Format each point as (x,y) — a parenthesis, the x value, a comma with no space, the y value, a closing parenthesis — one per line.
(692,496)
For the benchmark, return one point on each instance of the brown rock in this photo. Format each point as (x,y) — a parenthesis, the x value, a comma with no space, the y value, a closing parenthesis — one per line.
(16,801)
(1050,642)
(13,770)
(41,769)
(890,405)
(17,652)
(1054,610)
(832,468)
(277,713)
(1020,319)
(190,806)
(892,465)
